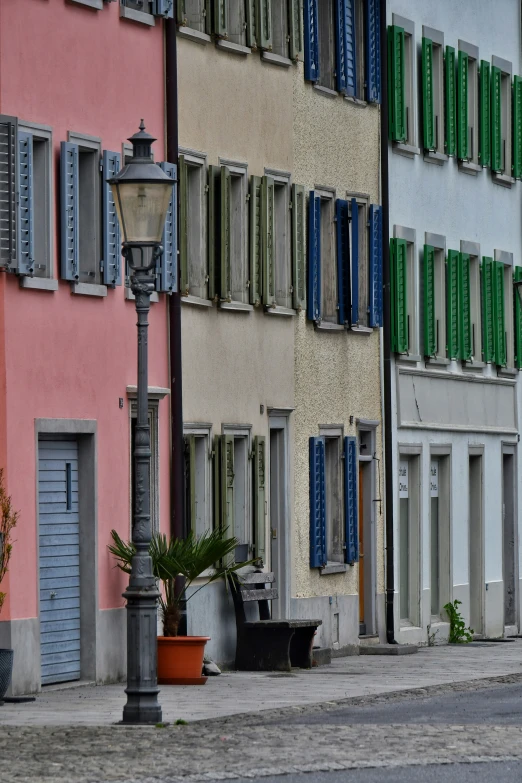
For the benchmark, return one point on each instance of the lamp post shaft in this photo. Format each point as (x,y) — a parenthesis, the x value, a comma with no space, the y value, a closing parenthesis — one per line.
(142,594)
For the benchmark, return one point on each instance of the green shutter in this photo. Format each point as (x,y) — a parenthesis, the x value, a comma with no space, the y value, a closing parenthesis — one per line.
(227,484)
(190,445)
(268,240)
(298,247)
(251,24)
(465,335)
(183,225)
(180,12)
(496,120)
(430,324)
(260,497)
(488,333)
(518,321)
(485,115)
(264,24)
(214,231)
(399,291)
(517,127)
(499,319)
(428,113)
(295,26)
(225,250)
(397,83)
(452,304)
(255,241)
(463,151)
(451,102)
(221,18)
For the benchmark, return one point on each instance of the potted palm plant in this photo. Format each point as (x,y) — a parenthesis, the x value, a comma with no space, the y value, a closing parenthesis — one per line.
(8,520)
(180,658)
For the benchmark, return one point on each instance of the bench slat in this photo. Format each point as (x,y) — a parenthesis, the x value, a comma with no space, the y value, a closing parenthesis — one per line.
(257,578)
(259,595)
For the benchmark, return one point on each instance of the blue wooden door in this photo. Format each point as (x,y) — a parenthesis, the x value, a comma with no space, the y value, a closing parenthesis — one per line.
(59,555)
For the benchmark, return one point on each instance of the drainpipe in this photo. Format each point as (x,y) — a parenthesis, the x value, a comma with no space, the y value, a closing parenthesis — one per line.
(386,354)
(177,515)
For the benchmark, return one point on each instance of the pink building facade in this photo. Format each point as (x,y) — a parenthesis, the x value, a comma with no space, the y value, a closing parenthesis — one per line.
(81,72)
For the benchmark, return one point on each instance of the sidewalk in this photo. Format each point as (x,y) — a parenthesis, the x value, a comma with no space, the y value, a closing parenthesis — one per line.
(250,692)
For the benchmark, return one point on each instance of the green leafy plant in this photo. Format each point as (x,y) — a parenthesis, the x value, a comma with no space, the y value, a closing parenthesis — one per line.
(189,558)
(459,633)
(8,520)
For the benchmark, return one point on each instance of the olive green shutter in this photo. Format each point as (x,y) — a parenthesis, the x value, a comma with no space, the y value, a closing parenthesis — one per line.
(260,497)
(496,120)
(517,127)
(451,102)
(221,18)
(465,335)
(190,445)
(214,231)
(251,24)
(268,240)
(216,472)
(499,319)
(430,325)
(264,24)
(452,304)
(255,241)
(183,225)
(225,260)
(488,338)
(399,290)
(298,247)
(180,12)
(518,321)
(462,107)
(485,115)
(295,26)
(227,484)
(428,113)
(397,82)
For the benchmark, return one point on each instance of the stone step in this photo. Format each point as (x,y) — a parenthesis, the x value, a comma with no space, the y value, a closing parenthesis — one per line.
(388,649)
(322,656)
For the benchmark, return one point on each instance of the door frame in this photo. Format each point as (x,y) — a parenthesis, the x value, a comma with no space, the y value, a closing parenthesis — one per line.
(510,448)
(279,419)
(84,432)
(370,547)
(478,451)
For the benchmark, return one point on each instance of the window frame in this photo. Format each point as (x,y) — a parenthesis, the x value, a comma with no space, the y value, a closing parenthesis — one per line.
(410,146)
(473,250)
(204,432)
(239,169)
(505,177)
(334,432)
(196,159)
(438,242)
(282,180)
(409,235)
(363,264)
(328,195)
(438,155)
(443,455)
(412,455)
(136,15)
(472,165)
(244,431)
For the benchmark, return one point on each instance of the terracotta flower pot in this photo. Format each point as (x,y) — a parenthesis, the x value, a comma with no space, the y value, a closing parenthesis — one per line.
(180,660)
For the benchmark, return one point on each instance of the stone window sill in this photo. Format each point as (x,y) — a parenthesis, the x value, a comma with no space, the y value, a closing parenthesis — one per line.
(408,150)
(326,91)
(278,310)
(88,289)
(467,167)
(507,372)
(473,366)
(96,4)
(326,326)
(366,330)
(137,16)
(239,306)
(39,283)
(409,358)
(355,101)
(196,300)
(276,59)
(502,179)
(438,158)
(437,361)
(229,46)
(333,568)
(154,297)
(193,35)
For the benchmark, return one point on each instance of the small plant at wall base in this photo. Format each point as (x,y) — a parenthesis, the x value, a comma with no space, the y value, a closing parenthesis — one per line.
(459,633)
(8,520)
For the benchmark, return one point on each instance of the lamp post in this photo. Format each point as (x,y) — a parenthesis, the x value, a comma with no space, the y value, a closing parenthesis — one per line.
(142,193)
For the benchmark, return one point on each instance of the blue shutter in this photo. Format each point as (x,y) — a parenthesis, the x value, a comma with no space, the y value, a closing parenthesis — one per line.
(375,265)
(311,41)
(167,272)
(351,552)
(111,226)
(313,303)
(317,504)
(354,219)
(345,46)
(373,51)
(343,260)
(26,211)
(163,8)
(70,257)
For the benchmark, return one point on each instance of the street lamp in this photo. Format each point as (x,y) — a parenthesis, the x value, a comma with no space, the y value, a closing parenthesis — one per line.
(142,193)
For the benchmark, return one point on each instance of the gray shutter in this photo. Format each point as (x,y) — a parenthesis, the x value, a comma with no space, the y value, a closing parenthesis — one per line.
(190,448)
(226,267)
(251,24)
(8,188)
(70,256)
(214,231)
(164,8)
(264,24)
(111,225)
(227,488)
(268,240)
(255,241)
(26,206)
(183,226)
(167,272)
(298,247)
(295,26)
(221,18)
(260,497)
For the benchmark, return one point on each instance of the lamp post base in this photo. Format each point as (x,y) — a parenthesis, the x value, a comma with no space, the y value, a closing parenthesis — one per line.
(142,707)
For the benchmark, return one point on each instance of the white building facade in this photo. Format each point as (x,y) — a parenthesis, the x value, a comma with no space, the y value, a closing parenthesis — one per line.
(455,201)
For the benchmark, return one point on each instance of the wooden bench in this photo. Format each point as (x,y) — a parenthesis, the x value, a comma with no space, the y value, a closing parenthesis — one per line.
(266,644)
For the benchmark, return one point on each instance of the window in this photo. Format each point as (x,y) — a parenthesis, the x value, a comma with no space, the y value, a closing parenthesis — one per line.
(333,499)
(401,45)
(497,309)
(145,6)
(360,52)
(193,225)
(154,460)
(231,22)
(409,541)
(193,14)
(280,28)
(25,199)
(501,129)
(433,285)
(467,104)
(198,478)
(329,275)
(360,272)
(440,569)
(433,90)
(403,291)
(472,250)
(326,26)
(89,215)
